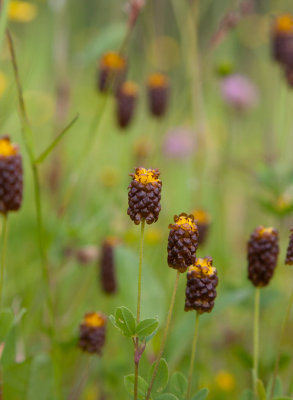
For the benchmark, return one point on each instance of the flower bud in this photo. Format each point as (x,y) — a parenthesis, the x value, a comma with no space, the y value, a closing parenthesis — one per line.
(11,176)
(262,254)
(144,195)
(158,93)
(182,242)
(126,103)
(107,267)
(202,280)
(92,333)
(111,72)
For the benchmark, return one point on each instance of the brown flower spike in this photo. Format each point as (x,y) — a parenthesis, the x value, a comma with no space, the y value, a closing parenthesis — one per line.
(11,176)
(158,93)
(144,195)
(289,254)
(107,267)
(182,242)
(202,280)
(262,254)
(203,221)
(126,103)
(282,38)
(111,71)
(92,333)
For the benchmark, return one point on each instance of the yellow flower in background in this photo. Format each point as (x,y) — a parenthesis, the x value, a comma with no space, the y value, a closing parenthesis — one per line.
(21,11)
(225,381)
(3,83)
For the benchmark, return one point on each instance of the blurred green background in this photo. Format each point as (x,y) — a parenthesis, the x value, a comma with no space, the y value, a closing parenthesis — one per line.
(239,170)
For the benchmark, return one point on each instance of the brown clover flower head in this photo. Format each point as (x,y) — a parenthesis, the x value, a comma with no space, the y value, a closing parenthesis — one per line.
(203,221)
(158,94)
(111,72)
(92,333)
(282,39)
(107,266)
(262,255)
(182,242)
(202,280)
(144,195)
(289,254)
(126,103)
(11,176)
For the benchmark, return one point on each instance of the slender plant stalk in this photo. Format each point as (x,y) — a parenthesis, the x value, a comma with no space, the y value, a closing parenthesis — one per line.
(170,312)
(256,340)
(3,252)
(27,135)
(136,359)
(282,333)
(140,271)
(194,343)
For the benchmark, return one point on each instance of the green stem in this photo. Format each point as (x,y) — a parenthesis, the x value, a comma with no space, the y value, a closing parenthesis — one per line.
(283,329)
(140,271)
(170,312)
(194,343)
(136,362)
(3,253)
(256,340)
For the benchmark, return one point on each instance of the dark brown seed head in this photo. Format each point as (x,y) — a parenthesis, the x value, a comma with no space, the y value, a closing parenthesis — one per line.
(144,195)
(126,102)
(111,72)
(262,254)
(107,267)
(203,221)
(202,280)
(182,242)
(158,94)
(282,39)
(289,254)
(11,176)
(92,333)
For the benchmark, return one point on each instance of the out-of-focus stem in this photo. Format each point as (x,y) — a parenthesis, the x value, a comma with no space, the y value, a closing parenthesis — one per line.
(282,333)
(170,312)
(3,253)
(136,361)
(256,340)
(193,351)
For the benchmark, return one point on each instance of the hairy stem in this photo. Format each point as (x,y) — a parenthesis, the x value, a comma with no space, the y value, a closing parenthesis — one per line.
(3,253)
(194,343)
(282,333)
(170,312)
(256,340)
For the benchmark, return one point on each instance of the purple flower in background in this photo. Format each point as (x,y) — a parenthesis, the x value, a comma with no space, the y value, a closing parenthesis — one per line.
(239,92)
(179,143)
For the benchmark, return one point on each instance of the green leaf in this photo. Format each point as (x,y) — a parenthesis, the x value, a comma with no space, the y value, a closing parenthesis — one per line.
(201,395)
(6,322)
(247,395)
(167,396)
(41,379)
(162,375)
(15,381)
(146,328)
(278,387)
(261,390)
(51,147)
(179,384)
(9,352)
(142,386)
(282,398)
(125,321)
(107,38)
